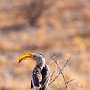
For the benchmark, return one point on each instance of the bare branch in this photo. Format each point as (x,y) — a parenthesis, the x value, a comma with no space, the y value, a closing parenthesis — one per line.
(54,72)
(65,64)
(56,68)
(60,72)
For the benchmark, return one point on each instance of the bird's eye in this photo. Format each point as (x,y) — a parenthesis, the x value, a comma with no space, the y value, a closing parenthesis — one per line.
(34,56)
(40,54)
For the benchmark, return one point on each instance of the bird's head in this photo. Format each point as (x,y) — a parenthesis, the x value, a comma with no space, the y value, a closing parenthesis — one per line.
(39,58)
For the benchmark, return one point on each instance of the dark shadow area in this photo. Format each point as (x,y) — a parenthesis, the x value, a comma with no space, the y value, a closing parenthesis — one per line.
(33,11)
(12,28)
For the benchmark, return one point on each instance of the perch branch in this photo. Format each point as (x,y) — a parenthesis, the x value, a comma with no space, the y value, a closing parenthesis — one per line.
(60,72)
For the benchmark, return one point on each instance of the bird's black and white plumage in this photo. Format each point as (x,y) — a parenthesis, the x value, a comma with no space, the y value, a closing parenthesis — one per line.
(41,74)
(40,78)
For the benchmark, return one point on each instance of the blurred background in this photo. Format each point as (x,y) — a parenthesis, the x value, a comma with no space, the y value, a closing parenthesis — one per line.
(58,28)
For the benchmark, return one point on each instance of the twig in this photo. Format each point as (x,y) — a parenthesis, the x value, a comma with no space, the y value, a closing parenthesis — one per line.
(65,64)
(53,72)
(60,72)
(70,80)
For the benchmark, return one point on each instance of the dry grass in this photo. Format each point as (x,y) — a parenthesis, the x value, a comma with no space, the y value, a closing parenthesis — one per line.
(59,28)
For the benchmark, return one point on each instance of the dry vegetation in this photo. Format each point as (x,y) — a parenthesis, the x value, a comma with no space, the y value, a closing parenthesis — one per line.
(51,27)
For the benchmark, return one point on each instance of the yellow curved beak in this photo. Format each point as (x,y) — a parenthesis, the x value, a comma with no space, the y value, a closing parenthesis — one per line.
(26,56)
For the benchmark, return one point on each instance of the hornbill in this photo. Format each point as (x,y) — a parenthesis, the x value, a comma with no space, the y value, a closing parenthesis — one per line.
(41,74)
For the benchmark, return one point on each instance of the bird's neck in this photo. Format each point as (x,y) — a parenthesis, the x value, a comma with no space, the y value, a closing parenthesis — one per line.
(41,63)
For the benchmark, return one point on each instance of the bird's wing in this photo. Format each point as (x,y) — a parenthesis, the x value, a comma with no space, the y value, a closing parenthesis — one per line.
(45,77)
(36,78)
